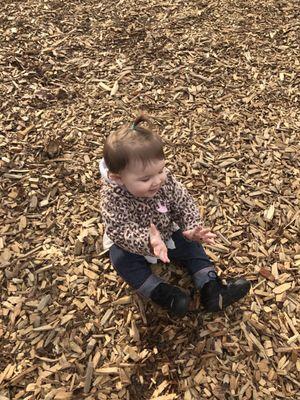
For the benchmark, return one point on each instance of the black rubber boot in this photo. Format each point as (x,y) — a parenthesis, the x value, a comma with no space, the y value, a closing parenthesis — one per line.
(171,298)
(215,296)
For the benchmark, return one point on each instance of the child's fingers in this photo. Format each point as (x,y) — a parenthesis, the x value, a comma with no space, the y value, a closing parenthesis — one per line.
(157,250)
(203,231)
(153,229)
(209,241)
(211,235)
(208,235)
(165,259)
(162,254)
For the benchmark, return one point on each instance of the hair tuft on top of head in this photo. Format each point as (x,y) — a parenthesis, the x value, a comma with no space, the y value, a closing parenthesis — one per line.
(140,119)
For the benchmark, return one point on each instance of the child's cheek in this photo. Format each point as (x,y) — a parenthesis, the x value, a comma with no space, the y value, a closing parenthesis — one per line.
(143,187)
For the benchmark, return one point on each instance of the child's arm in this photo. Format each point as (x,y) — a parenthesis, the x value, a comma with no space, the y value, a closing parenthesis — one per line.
(186,214)
(184,210)
(129,235)
(199,234)
(159,248)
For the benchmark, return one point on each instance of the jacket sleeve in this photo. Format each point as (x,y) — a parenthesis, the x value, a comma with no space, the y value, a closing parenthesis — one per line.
(184,210)
(121,228)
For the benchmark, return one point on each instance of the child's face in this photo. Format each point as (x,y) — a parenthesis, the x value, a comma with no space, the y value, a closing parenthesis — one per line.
(143,180)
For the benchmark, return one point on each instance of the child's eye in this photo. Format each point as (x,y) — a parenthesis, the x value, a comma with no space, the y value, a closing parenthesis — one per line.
(145,180)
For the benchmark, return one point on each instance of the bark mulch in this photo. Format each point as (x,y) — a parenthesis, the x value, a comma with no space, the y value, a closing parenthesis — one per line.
(221,80)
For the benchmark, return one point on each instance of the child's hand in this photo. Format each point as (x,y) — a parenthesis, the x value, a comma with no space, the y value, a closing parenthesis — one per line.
(199,234)
(159,248)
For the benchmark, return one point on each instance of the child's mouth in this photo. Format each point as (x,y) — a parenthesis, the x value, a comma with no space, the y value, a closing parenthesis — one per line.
(153,192)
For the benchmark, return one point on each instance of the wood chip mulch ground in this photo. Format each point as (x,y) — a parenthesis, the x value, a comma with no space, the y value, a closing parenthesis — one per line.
(221,80)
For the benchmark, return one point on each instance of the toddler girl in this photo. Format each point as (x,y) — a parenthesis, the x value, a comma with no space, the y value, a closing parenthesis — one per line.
(149,215)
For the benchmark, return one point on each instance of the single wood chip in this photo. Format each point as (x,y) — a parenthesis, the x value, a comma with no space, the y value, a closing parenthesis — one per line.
(88,378)
(282,288)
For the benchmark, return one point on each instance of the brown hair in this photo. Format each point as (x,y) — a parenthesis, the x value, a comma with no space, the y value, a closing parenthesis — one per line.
(131,143)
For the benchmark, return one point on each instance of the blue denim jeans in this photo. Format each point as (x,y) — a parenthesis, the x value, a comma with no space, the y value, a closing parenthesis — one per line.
(136,271)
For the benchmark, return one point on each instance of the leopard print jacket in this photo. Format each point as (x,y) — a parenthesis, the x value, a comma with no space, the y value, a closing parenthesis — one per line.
(127,218)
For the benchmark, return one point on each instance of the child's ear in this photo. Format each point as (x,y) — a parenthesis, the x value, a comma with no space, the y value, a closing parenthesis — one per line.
(115,177)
